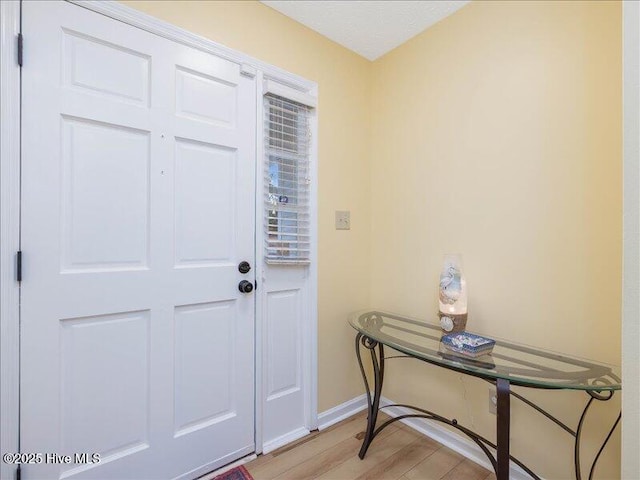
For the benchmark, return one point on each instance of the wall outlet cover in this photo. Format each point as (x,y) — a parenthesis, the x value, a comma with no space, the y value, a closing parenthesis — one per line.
(343,220)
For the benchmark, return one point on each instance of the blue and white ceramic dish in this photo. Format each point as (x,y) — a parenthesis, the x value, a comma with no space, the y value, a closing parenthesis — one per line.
(468,344)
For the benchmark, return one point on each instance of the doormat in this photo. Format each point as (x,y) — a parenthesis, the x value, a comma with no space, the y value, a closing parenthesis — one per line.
(237,473)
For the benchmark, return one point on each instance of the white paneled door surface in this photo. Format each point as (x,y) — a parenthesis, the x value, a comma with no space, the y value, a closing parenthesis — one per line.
(138,195)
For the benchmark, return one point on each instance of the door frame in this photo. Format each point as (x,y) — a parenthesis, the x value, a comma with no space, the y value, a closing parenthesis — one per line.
(9,231)
(10,208)
(631,240)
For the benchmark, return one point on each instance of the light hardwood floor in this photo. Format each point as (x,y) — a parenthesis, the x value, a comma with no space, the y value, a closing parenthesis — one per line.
(397,453)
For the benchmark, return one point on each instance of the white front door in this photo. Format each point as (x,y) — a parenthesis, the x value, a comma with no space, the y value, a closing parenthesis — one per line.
(137,207)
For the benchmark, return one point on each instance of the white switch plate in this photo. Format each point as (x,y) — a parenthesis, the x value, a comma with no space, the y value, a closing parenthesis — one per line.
(343,220)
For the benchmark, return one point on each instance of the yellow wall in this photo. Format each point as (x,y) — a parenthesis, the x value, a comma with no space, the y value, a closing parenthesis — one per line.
(496,134)
(344,111)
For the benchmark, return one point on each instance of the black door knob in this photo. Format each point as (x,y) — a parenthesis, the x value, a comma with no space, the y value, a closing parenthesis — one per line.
(244,267)
(245,286)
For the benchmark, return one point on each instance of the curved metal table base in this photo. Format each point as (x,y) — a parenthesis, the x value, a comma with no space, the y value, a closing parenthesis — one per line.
(502,458)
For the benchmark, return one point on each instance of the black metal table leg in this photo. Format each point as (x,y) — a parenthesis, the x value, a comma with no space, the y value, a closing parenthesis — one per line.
(578,433)
(373,404)
(503,425)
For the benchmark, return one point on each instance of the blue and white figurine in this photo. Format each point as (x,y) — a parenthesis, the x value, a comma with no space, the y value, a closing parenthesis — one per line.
(452,295)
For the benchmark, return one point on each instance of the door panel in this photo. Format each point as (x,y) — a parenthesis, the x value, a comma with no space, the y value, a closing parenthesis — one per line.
(138,192)
(105,187)
(121,73)
(87,346)
(283,343)
(283,352)
(204,98)
(204,334)
(204,203)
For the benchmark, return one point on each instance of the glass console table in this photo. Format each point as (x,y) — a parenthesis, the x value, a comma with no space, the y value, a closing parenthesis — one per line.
(508,364)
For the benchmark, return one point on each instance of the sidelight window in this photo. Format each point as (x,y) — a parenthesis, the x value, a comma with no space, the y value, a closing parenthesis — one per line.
(287,182)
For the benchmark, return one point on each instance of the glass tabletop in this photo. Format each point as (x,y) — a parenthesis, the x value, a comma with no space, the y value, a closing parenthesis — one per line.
(520,364)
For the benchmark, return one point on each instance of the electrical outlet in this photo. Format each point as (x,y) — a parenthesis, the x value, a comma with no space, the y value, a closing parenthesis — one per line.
(493,400)
(343,220)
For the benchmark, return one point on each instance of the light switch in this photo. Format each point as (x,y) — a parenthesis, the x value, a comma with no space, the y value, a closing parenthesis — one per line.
(343,220)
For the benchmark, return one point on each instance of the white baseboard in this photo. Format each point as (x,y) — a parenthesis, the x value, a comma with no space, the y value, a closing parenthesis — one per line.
(341,412)
(283,440)
(449,439)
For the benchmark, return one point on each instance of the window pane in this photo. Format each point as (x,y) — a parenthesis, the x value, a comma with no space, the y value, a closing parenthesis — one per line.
(286,179)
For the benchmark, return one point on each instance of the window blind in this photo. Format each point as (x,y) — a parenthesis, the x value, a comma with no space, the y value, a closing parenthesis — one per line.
(286,180)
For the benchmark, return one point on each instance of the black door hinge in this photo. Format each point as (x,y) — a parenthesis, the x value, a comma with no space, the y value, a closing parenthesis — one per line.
(20,48)
(19,266)
(18,473)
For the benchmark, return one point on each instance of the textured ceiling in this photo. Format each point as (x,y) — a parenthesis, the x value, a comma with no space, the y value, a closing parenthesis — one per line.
(369,28)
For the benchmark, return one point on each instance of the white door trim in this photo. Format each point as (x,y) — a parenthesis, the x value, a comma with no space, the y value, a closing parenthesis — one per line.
(164,29)
(311,335)
(631,240)
(10,201)
(9,230)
